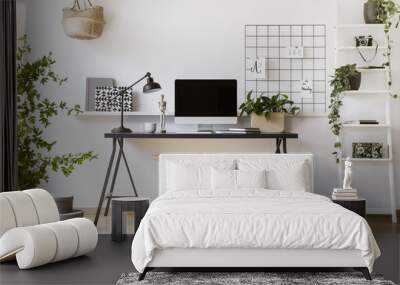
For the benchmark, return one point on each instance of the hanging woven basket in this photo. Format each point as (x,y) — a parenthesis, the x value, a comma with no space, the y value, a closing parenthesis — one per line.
(83,24)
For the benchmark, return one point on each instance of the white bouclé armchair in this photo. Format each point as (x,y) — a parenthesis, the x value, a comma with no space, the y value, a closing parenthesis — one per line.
(31,230)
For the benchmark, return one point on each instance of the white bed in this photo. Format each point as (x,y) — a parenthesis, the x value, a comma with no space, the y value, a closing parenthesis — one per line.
(197,224)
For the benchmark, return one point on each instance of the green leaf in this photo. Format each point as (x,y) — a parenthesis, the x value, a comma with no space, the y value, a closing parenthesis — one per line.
(340,82)
(35,158)
(264,105)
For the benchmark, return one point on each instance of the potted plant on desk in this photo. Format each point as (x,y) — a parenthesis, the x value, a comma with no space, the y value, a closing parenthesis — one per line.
(268,113)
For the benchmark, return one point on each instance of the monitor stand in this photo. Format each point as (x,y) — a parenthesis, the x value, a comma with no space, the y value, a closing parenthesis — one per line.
(205,128)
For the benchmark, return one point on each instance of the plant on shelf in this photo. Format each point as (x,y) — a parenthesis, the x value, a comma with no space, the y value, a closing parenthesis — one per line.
(388,13)
(346,78)
(266,111)
(33,117)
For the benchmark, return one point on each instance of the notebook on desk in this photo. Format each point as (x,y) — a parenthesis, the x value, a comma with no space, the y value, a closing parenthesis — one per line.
(239,131)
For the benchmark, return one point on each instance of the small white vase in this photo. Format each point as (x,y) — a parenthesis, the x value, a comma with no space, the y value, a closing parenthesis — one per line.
(275,124)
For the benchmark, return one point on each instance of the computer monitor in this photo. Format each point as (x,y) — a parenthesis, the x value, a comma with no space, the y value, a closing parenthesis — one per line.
(205,101)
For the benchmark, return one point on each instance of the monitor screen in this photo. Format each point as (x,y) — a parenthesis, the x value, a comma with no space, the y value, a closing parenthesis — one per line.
(205,98)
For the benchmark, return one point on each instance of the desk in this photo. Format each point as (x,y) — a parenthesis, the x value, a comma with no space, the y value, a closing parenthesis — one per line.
(118,138)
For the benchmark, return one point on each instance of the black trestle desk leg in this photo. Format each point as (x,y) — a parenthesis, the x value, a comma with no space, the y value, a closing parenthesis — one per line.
(103,192)
(127,168)
(113,181)
(284,145)
(278,145)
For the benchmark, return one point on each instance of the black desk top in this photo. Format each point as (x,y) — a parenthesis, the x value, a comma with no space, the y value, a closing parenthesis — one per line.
(193,135)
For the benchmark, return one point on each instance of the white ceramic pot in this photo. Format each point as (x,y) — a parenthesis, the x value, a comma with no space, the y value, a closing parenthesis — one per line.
(275,124)
(150,127)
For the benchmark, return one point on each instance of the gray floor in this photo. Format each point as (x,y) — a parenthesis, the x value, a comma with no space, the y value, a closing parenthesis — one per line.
(103,266)
(110,260)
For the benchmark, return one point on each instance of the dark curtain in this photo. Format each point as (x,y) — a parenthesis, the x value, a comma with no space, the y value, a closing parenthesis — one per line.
(8,110)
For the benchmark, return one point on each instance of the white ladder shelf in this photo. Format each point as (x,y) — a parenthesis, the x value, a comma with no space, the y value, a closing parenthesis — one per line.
(384,94)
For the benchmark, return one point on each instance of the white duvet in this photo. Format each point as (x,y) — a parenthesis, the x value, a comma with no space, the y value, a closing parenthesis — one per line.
(250,219)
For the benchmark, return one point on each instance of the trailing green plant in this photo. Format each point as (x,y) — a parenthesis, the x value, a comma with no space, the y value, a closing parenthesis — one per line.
(388,13)
(264,105)
(34,114)
(341,82)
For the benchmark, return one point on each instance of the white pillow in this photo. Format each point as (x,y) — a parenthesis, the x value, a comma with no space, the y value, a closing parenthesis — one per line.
(186,175)
(227,179)
(251,178)
(293,178)
(282,174)
(223,179)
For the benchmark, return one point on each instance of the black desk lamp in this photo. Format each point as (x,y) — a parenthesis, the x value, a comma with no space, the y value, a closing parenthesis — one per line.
(150,87)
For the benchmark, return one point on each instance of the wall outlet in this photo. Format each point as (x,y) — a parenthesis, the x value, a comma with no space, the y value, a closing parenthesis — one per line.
(295,52)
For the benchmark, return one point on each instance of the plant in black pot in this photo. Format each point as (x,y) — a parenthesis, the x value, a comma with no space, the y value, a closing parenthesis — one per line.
(381,12)
(371,12)
(268,113)
(346,78)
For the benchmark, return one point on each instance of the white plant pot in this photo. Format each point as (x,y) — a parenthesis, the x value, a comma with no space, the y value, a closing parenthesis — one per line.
(275,124)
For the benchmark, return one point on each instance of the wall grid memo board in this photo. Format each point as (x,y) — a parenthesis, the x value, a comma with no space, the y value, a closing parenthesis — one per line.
(284,73)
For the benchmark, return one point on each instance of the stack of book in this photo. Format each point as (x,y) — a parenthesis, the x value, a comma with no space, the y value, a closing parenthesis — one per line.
(361,122)
(344,194)
(240,131)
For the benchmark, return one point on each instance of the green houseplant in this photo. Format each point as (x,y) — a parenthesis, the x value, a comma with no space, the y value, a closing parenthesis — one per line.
(386,12)
(34,115)
(346,78)
(267,113)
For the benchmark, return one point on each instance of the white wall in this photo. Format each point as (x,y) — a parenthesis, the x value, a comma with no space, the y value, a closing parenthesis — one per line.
(178,39)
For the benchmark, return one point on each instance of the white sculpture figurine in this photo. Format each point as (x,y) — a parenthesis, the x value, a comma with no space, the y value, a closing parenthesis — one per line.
(162,104)
(347,174)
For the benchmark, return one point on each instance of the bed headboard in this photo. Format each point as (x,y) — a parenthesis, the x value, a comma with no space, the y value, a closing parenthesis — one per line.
(165,158)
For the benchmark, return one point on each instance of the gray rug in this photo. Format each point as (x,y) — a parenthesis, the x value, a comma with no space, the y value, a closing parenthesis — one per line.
(253,278)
